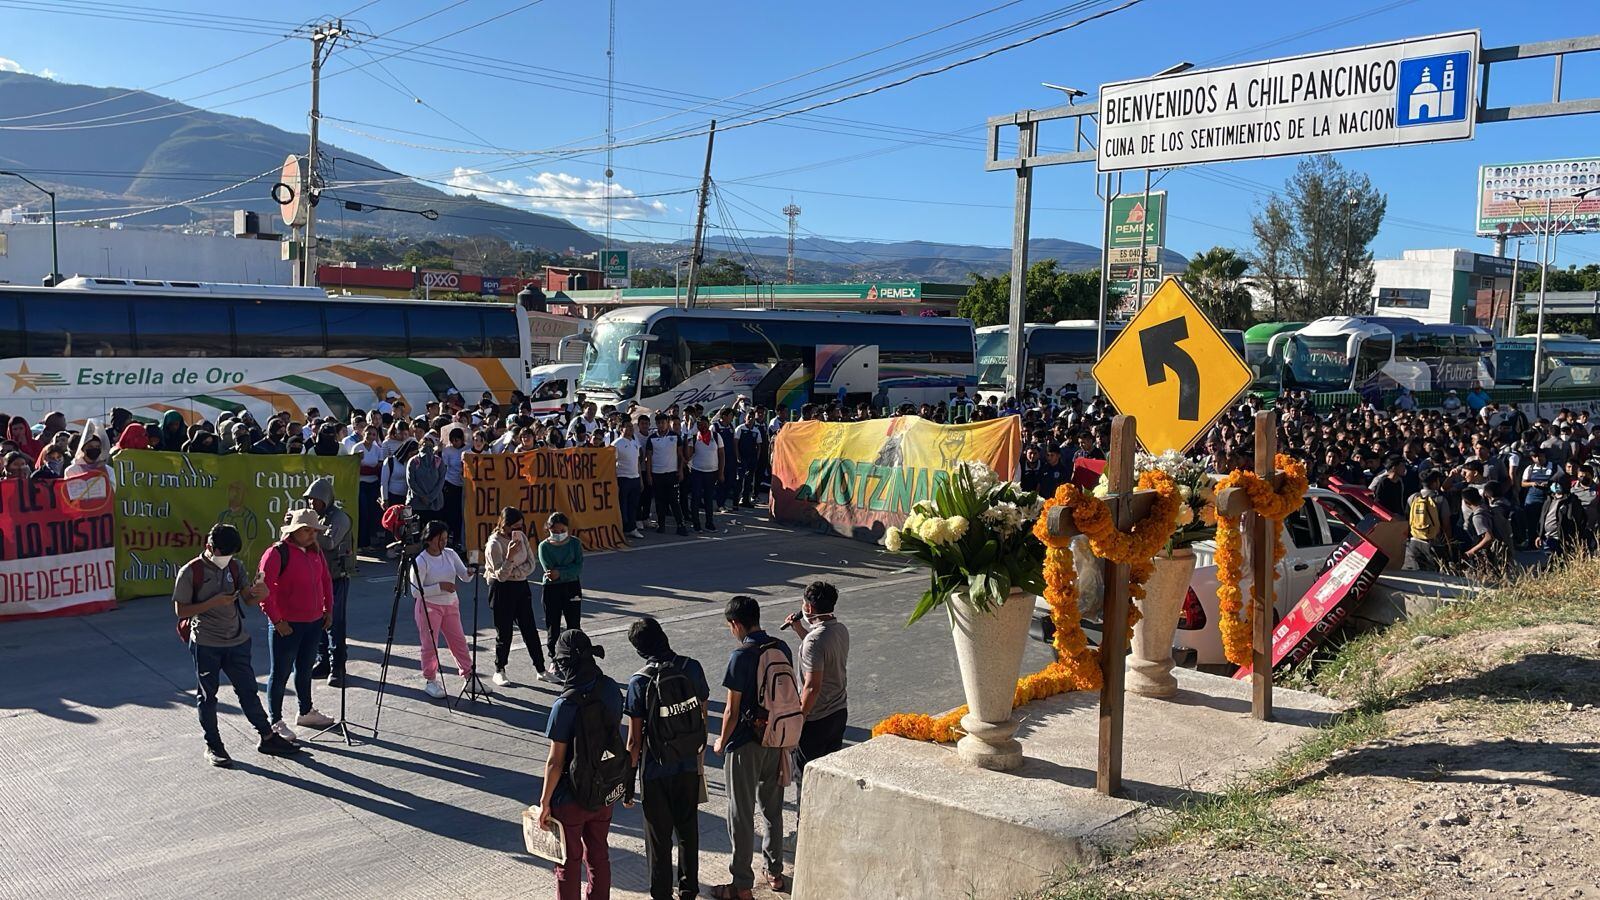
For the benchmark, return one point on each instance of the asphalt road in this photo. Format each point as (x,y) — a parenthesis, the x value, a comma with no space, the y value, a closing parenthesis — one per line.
(107,795)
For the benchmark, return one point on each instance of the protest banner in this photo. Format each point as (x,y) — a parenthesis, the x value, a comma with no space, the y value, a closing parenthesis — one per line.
(57,539)
(858,478)
(167,502)
(581,482)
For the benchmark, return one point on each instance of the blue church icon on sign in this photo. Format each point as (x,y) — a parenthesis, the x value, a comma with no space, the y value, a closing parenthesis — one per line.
(1433,89)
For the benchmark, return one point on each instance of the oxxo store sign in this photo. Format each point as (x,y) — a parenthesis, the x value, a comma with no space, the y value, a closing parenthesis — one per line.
(439,281)
(1411,91)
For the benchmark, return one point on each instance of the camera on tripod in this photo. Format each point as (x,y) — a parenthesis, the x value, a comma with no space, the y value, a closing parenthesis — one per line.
(406,526)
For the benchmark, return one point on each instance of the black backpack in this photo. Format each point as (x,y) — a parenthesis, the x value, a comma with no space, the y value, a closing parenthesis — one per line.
(597,763)
(674,721)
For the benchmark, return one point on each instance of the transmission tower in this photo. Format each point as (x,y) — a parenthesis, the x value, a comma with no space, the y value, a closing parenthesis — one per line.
(793,212)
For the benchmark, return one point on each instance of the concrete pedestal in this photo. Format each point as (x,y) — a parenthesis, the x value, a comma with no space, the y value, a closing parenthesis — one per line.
(892,818)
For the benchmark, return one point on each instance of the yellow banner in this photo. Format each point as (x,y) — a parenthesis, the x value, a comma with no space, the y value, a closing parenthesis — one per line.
(858,478)
(581,482)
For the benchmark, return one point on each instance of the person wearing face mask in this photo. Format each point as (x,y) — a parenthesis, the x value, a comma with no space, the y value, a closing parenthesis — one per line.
(425,481)
(434,582)
(210,595)
(52,462)
(508,562)
(561,557)
(90,457)
(455,446)
(585,772)
(824,652)
(707,463)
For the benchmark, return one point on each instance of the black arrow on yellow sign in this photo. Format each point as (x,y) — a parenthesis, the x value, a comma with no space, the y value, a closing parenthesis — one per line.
(1161,352)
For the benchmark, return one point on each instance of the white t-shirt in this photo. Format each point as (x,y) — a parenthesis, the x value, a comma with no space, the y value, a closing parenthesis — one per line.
(627,457)
(664,454)
(703,457)
(370,456)
(437,570)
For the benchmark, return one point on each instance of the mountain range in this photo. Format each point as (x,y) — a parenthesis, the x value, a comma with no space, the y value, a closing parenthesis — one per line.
(111,151)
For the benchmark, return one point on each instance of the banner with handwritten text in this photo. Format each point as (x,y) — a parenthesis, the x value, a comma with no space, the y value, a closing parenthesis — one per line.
(56,547)
(167,502)
(581,482)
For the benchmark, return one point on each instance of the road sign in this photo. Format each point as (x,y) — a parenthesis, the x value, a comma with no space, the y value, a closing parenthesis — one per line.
(614,263)
(1411,91)
(1512,198)
(1171,366)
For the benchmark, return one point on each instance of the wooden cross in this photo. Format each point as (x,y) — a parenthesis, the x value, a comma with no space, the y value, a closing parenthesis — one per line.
(1127,507)
(1258,532)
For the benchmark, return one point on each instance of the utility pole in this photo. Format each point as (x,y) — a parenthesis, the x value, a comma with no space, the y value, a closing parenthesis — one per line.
(695,255)
(793,212)
(323,39)
(611,88)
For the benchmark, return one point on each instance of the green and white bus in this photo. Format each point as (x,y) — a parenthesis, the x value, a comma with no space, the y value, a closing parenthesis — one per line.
(91,344)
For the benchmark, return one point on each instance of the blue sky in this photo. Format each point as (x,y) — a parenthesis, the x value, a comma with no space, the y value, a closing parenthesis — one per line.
(902,164)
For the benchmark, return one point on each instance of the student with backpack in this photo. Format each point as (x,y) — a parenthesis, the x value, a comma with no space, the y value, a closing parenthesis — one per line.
(761,724)
(208,598)
(667,714)
(1427,513)
(587,770)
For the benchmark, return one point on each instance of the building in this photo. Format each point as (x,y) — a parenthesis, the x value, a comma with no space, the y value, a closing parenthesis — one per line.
(905,298)
(138,254)
(1446,286)
(372,281)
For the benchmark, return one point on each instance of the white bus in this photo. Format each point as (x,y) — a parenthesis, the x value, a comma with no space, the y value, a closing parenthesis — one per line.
(1349,353)
(91,344)
(1569,361)
(661,356)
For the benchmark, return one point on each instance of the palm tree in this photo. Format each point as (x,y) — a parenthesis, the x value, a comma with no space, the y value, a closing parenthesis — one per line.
(1215,280)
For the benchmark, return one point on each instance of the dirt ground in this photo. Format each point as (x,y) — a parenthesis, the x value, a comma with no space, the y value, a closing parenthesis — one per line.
(1478,775)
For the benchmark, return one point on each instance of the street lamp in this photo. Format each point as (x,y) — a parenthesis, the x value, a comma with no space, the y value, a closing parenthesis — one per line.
(1351,201)
(55,257)
(1545,235)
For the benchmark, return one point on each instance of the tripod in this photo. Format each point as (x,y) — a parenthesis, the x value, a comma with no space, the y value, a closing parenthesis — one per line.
(472,687)
(342,725)
(407,560)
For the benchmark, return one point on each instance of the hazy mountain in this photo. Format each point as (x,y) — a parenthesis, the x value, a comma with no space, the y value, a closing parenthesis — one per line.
(172,152)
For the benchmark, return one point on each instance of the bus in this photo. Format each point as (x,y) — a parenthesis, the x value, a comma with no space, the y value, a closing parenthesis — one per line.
(1265,367)
(1349,353)
(1059,356)
(1570,360)
(659,356)
(91,344)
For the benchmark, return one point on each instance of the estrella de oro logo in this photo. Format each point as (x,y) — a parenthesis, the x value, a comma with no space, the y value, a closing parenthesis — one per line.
(33,381)
(1433,89)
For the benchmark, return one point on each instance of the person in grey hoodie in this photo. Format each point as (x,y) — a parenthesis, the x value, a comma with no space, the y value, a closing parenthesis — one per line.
(339,549)
(425,480)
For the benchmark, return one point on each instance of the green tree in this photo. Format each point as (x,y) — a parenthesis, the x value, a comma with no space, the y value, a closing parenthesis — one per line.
(1571,278)
(1215,280)
(1313,240)
(722,272)
(1051,295)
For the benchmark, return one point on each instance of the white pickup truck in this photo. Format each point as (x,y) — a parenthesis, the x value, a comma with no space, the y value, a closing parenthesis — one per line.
(1309,536)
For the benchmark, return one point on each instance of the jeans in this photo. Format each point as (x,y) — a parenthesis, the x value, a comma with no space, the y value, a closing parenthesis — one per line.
(749,476)
(702,488)
(333,650)
(562,600)
(820,737)
(628,491)
(512,605)
(672,808)
(234,662)
(728,485)
(585,832)
(752,772)
(367,514)
(452,514)
(666,491)
(296,650)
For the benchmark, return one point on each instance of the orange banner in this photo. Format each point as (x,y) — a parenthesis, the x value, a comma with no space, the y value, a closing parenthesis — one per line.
(581,482)
(858,478)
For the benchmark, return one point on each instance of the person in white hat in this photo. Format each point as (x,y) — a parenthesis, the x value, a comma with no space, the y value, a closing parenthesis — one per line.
(299,606)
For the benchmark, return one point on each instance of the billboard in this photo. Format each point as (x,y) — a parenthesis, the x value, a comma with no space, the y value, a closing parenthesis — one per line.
(1512,198)
(1131,218)
(1416,90)
(614,265)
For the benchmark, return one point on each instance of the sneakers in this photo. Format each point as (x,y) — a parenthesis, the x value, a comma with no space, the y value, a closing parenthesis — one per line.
(321,669)
(217,756)
(500,678)
(335,679)
(314,719)
(282,729)
(274,745)
(435,689)
(637,534)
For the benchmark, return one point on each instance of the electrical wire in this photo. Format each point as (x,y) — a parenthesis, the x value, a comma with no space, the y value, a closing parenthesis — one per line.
(272,171)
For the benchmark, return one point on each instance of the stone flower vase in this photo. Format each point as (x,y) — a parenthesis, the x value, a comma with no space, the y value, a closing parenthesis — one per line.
(1150,662)
(989,648)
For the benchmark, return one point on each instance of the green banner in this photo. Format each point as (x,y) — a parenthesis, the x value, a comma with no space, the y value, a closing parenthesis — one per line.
(167,502)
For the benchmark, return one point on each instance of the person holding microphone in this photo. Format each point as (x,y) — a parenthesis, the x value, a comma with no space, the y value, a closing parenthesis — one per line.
(561,557)
(432,579)
(508,561)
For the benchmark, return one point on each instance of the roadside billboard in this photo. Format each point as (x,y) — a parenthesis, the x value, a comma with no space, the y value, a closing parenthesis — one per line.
(1514,198)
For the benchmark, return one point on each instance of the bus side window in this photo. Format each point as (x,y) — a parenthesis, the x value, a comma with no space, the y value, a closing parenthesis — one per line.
(445,331)
(10,328)
(78,326)
(182,328)
(269,328)
(501,330)
(356,329)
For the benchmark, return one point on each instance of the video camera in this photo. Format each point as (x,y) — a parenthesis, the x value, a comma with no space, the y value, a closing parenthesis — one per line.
(406,526)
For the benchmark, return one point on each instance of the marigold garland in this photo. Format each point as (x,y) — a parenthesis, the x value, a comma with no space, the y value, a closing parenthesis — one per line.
(1077,665)
(1276,505)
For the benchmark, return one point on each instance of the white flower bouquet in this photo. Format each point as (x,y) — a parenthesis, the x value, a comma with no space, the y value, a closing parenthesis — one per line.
(1197,517)
(975,534)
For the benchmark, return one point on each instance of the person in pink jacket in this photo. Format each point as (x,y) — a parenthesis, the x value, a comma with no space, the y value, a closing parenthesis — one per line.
(299,608)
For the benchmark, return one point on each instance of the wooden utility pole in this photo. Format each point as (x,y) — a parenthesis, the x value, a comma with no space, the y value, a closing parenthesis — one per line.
(695,257)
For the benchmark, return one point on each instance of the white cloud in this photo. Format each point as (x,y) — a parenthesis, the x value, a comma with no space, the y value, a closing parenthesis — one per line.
(561,193)
(10,65)
(48,73)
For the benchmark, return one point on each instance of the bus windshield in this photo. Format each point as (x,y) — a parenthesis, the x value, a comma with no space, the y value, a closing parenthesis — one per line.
(992,359)
(611,363)
(1318,363)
